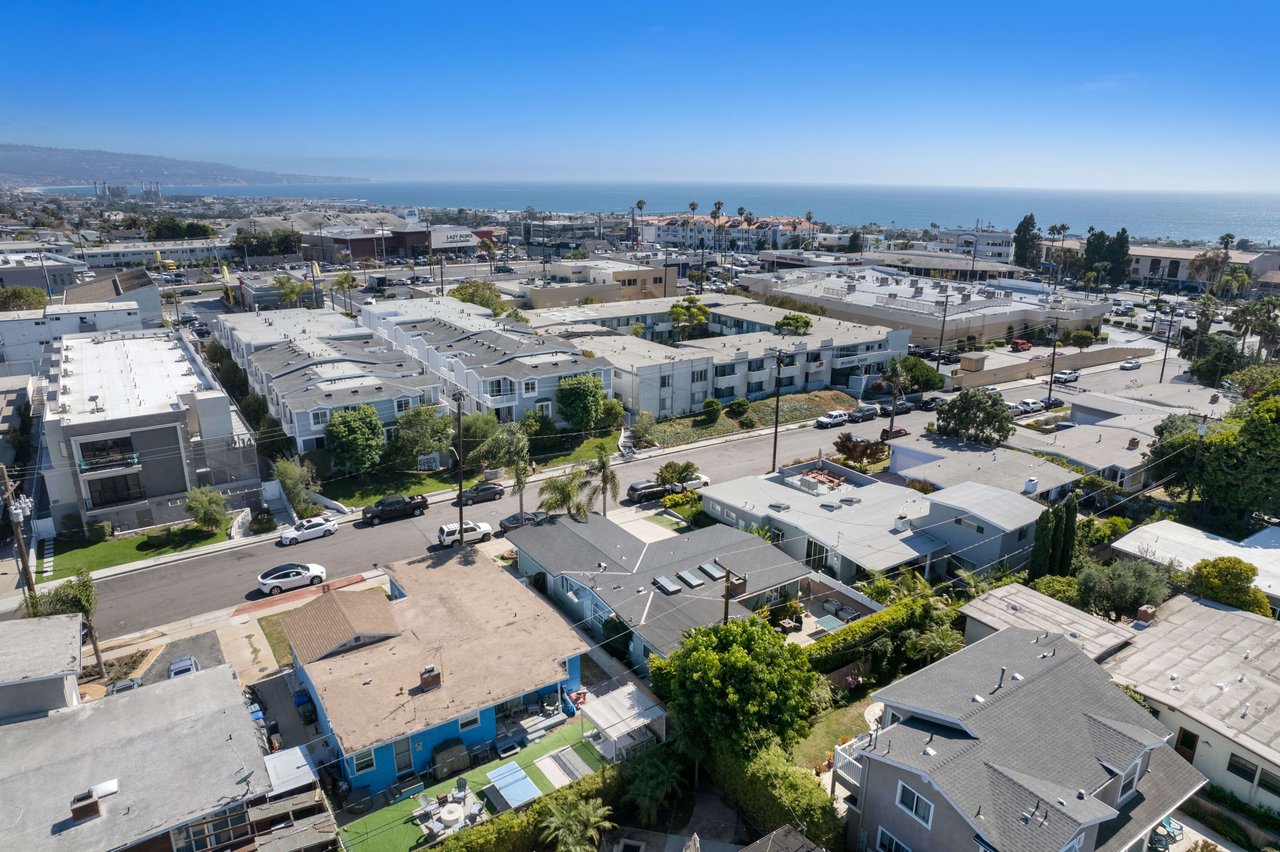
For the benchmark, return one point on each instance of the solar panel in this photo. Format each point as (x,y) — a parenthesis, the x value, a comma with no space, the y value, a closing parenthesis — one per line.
(712,570)
(690,579)
(667,585)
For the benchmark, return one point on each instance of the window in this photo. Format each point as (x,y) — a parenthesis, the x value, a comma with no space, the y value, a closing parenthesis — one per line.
(1022,533)
(886,842)
(1270,782)
(1129,781)
(402,405)
(755,387)
(915,804)
(699,375)
(726,370)
(363,761)
(115,489)
(494,387)
(1242,768)
(969,525)
(755,364)
(664,381)
(530,386)
(468,722)
(319,418)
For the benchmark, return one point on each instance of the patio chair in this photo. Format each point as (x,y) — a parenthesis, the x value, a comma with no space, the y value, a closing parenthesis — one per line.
(456,795)
(429,804)
(1158,843)
(461,784)
(477,809)
(1172,826)
(436,827)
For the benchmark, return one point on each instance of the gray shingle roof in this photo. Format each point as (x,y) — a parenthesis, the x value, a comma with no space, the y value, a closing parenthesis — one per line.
(998,507)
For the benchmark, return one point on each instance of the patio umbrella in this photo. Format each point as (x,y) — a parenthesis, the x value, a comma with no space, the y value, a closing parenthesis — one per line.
(693,844)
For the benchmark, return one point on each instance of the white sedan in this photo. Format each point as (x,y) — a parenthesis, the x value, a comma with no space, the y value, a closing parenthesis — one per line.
(292,575)
(321,527)
(1130,364)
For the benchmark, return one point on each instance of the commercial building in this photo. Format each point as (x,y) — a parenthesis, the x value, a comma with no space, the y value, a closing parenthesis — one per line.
(26,336)
(503,369)
(130,285)
(1019,741)
(345,243)
(993,246)
(854,527)
(133,422)
(1208,672)
(447,666)
(735,354)
(1170,266)
(181,252)
(261,294)
(997,310)
(576,282)
(47,272)
(594,570)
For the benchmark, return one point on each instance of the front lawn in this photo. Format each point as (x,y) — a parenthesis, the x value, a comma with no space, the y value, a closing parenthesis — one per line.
(827,730)
(584,452)
(358,491)
(273,628)
(793,408)
(70,556)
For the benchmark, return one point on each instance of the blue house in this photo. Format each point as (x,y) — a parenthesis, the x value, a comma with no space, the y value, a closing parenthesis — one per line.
(462,663)
(595,570)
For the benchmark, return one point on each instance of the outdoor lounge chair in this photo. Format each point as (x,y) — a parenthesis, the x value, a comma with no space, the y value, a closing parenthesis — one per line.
(429,804)
(1172,826)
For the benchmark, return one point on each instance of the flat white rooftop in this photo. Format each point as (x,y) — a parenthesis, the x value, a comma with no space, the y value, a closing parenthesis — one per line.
(269,327)
(113,375)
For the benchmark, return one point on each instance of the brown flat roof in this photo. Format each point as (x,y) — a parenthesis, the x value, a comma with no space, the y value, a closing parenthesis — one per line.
(491,638)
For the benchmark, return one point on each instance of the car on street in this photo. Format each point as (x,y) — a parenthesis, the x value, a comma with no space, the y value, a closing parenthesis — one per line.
(896,408)
(1053,402)
(309,528)
(183,666)
(126,685)
(1130,364)
(291,575)
(1180,313)
(930,404)
(1218,318)
(521,519)
(646,490)
(863,413)
(699,481)
(1066,376)
(1030,406)
(950,357)
(188,317)
(831,419)
(504,269)
(471,532)
(190,291)
(991,389)
(394,506)
(202,332)
(482,491)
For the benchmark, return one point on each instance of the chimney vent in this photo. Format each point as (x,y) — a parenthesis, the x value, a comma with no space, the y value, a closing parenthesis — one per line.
(1134,443)
(430,678)
(84,806)
(1146,613)
(1032,484)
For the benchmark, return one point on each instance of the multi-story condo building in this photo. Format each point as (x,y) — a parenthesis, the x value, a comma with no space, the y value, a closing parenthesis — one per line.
(132,422)
(181,252)
(25,336)
(733,234)
(42,270)
(994,246)
(576,282)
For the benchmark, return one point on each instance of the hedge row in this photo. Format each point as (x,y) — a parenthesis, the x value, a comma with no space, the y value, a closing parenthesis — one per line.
(772,791)
(853,641)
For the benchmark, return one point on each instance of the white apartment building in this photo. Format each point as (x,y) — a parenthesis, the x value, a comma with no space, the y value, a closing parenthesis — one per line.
(25,336)
(181,252)
(995,246)
(698,232)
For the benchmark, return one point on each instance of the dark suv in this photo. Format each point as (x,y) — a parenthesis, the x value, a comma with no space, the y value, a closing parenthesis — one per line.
(646,490)
(482,492)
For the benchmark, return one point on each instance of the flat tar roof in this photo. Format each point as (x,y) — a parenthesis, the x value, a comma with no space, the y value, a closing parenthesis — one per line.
(124,374)
(1015,605)
(33,648)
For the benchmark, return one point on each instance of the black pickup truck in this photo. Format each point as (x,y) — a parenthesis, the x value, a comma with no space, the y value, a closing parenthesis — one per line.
(394,506)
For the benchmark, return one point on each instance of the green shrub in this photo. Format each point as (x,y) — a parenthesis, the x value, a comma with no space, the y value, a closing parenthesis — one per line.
(263,522)
(100,530)
(853,641)
(746,421)
(774,792)
(711,410)
(1262,815)
(684,498)
(738,407)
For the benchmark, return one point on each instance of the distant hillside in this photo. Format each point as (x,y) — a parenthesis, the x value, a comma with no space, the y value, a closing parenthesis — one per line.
(32,165)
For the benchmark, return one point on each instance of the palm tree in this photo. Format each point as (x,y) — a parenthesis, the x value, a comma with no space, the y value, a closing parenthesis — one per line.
(656,778)
(1248,318)
(693,211)
(345,283)
(77,596)
(600,480)
(749,219)
(716,210)
(509,448)
(808,218)
(1235,283)
(593,816)
(937,642)
(575,825)
(1060,232)
(1205,313)
(894,376)
(1268,325)
(640,205)
(289,287)
(564,494)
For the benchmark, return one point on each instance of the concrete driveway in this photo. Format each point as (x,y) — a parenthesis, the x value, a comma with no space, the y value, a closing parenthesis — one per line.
(204,647)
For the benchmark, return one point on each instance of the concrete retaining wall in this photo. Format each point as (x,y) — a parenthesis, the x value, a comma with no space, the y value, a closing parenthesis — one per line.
(1036,369)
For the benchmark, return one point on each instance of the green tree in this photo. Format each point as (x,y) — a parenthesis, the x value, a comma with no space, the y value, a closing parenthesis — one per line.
(507,448)
(580,400)
(482,293)
(1081,338)
(797,324)
(599,479)
(355,439)
(22,299)
(642,430)
(233,379)
(976,415)
(564,494)
(208,508)
(739,683)
(421,431)
(676,471)
(652,779)
(517,315)
(298,481)
(687,314)
(1208,266)
(290,289)
(917,376)
(1240,466)
(1042,555)
(1067,550)
(612,414)
(1118,258)
(476,429)
(254,408)
(938,641)
(1064,589)
(1122,586)
(711,409)
(637,329)
(1212,356)
(1228,580)
(1026,243)
(617,638)
(1254,378)
(271,438)
(76,596)
(1059,538)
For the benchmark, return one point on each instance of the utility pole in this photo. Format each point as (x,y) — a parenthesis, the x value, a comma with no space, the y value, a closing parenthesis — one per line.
(458,397)
(18,507)
(777,404)
(1053,360)
(728,577)
(942,332)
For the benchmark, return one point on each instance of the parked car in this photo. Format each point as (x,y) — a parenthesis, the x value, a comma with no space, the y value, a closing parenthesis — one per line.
(1053,402)
(899,407)
(482,491)
(1066,376)
(188,317)
(202,332)
(1019,346)
(1030,406)
(1218,318)
(126,685)
(890,434)
(521,519)
(291,575)
(394,506)
(863,413)
(472,532)
(646,490)
(991,389)
(309,528)
(699,481)
(183,666)
(831,419)
(950,357)
(930,404)
(1130,364)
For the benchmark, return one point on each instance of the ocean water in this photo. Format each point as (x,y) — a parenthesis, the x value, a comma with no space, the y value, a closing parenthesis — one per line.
(1163,215)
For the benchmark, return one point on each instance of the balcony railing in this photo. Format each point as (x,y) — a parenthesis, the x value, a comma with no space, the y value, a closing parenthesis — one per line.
(108,462)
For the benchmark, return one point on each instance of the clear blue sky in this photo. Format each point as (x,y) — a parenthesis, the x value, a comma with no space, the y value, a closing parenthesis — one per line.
(1170,95)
